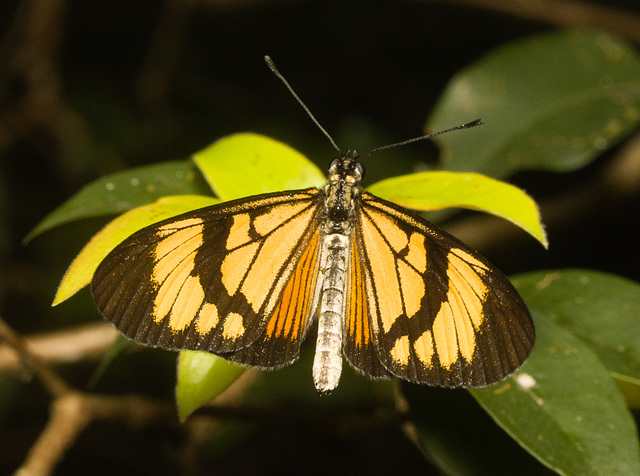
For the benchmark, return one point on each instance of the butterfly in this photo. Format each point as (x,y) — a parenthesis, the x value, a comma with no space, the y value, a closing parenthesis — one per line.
(390,291)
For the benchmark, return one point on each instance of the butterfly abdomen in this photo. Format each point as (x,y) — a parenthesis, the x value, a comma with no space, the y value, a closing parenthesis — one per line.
(327,364)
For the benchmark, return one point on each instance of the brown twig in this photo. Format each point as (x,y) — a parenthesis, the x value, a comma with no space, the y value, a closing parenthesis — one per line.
(62,346)
(72,411)
(68,418)
(52,382)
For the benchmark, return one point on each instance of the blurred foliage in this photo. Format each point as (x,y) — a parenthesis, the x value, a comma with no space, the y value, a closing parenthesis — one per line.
(152,82)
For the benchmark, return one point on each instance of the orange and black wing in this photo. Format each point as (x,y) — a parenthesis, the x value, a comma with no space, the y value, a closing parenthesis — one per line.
(235,279)
(427,307)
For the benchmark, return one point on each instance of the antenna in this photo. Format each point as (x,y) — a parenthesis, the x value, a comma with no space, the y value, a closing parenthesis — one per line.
(275,71)
(475,123)
(279,75)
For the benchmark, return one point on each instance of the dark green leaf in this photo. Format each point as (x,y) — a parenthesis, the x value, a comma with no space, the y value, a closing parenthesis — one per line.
(554,102)
(461,439)
(125,190)
(564,408)
(601,309)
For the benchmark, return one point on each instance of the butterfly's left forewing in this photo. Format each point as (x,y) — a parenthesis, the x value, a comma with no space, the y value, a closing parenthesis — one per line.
(219,279)
(439,313)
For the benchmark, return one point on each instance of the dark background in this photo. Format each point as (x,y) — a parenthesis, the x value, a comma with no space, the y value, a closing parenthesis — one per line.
(90,88)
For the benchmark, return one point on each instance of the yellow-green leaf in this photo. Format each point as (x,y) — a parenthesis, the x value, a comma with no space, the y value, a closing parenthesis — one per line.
(201,377)
(436,190)
(84,265)
(248,164)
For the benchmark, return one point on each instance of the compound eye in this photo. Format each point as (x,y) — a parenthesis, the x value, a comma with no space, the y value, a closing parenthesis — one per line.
(333,166)
(359,169)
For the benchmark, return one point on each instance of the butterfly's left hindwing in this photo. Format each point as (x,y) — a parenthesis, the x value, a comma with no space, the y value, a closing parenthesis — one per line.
(234,279)
(440,314)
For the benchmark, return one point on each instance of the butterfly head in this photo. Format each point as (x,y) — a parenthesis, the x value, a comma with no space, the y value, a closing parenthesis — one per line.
(346,169)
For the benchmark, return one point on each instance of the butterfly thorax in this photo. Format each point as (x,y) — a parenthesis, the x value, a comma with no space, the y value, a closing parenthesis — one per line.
(345,175)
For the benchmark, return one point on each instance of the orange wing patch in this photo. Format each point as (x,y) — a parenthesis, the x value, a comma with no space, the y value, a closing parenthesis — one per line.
(287,326)
(359,346)
(277,248)
(290,317)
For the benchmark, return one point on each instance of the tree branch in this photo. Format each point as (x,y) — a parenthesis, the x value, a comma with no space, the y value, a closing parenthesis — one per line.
(62,346)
